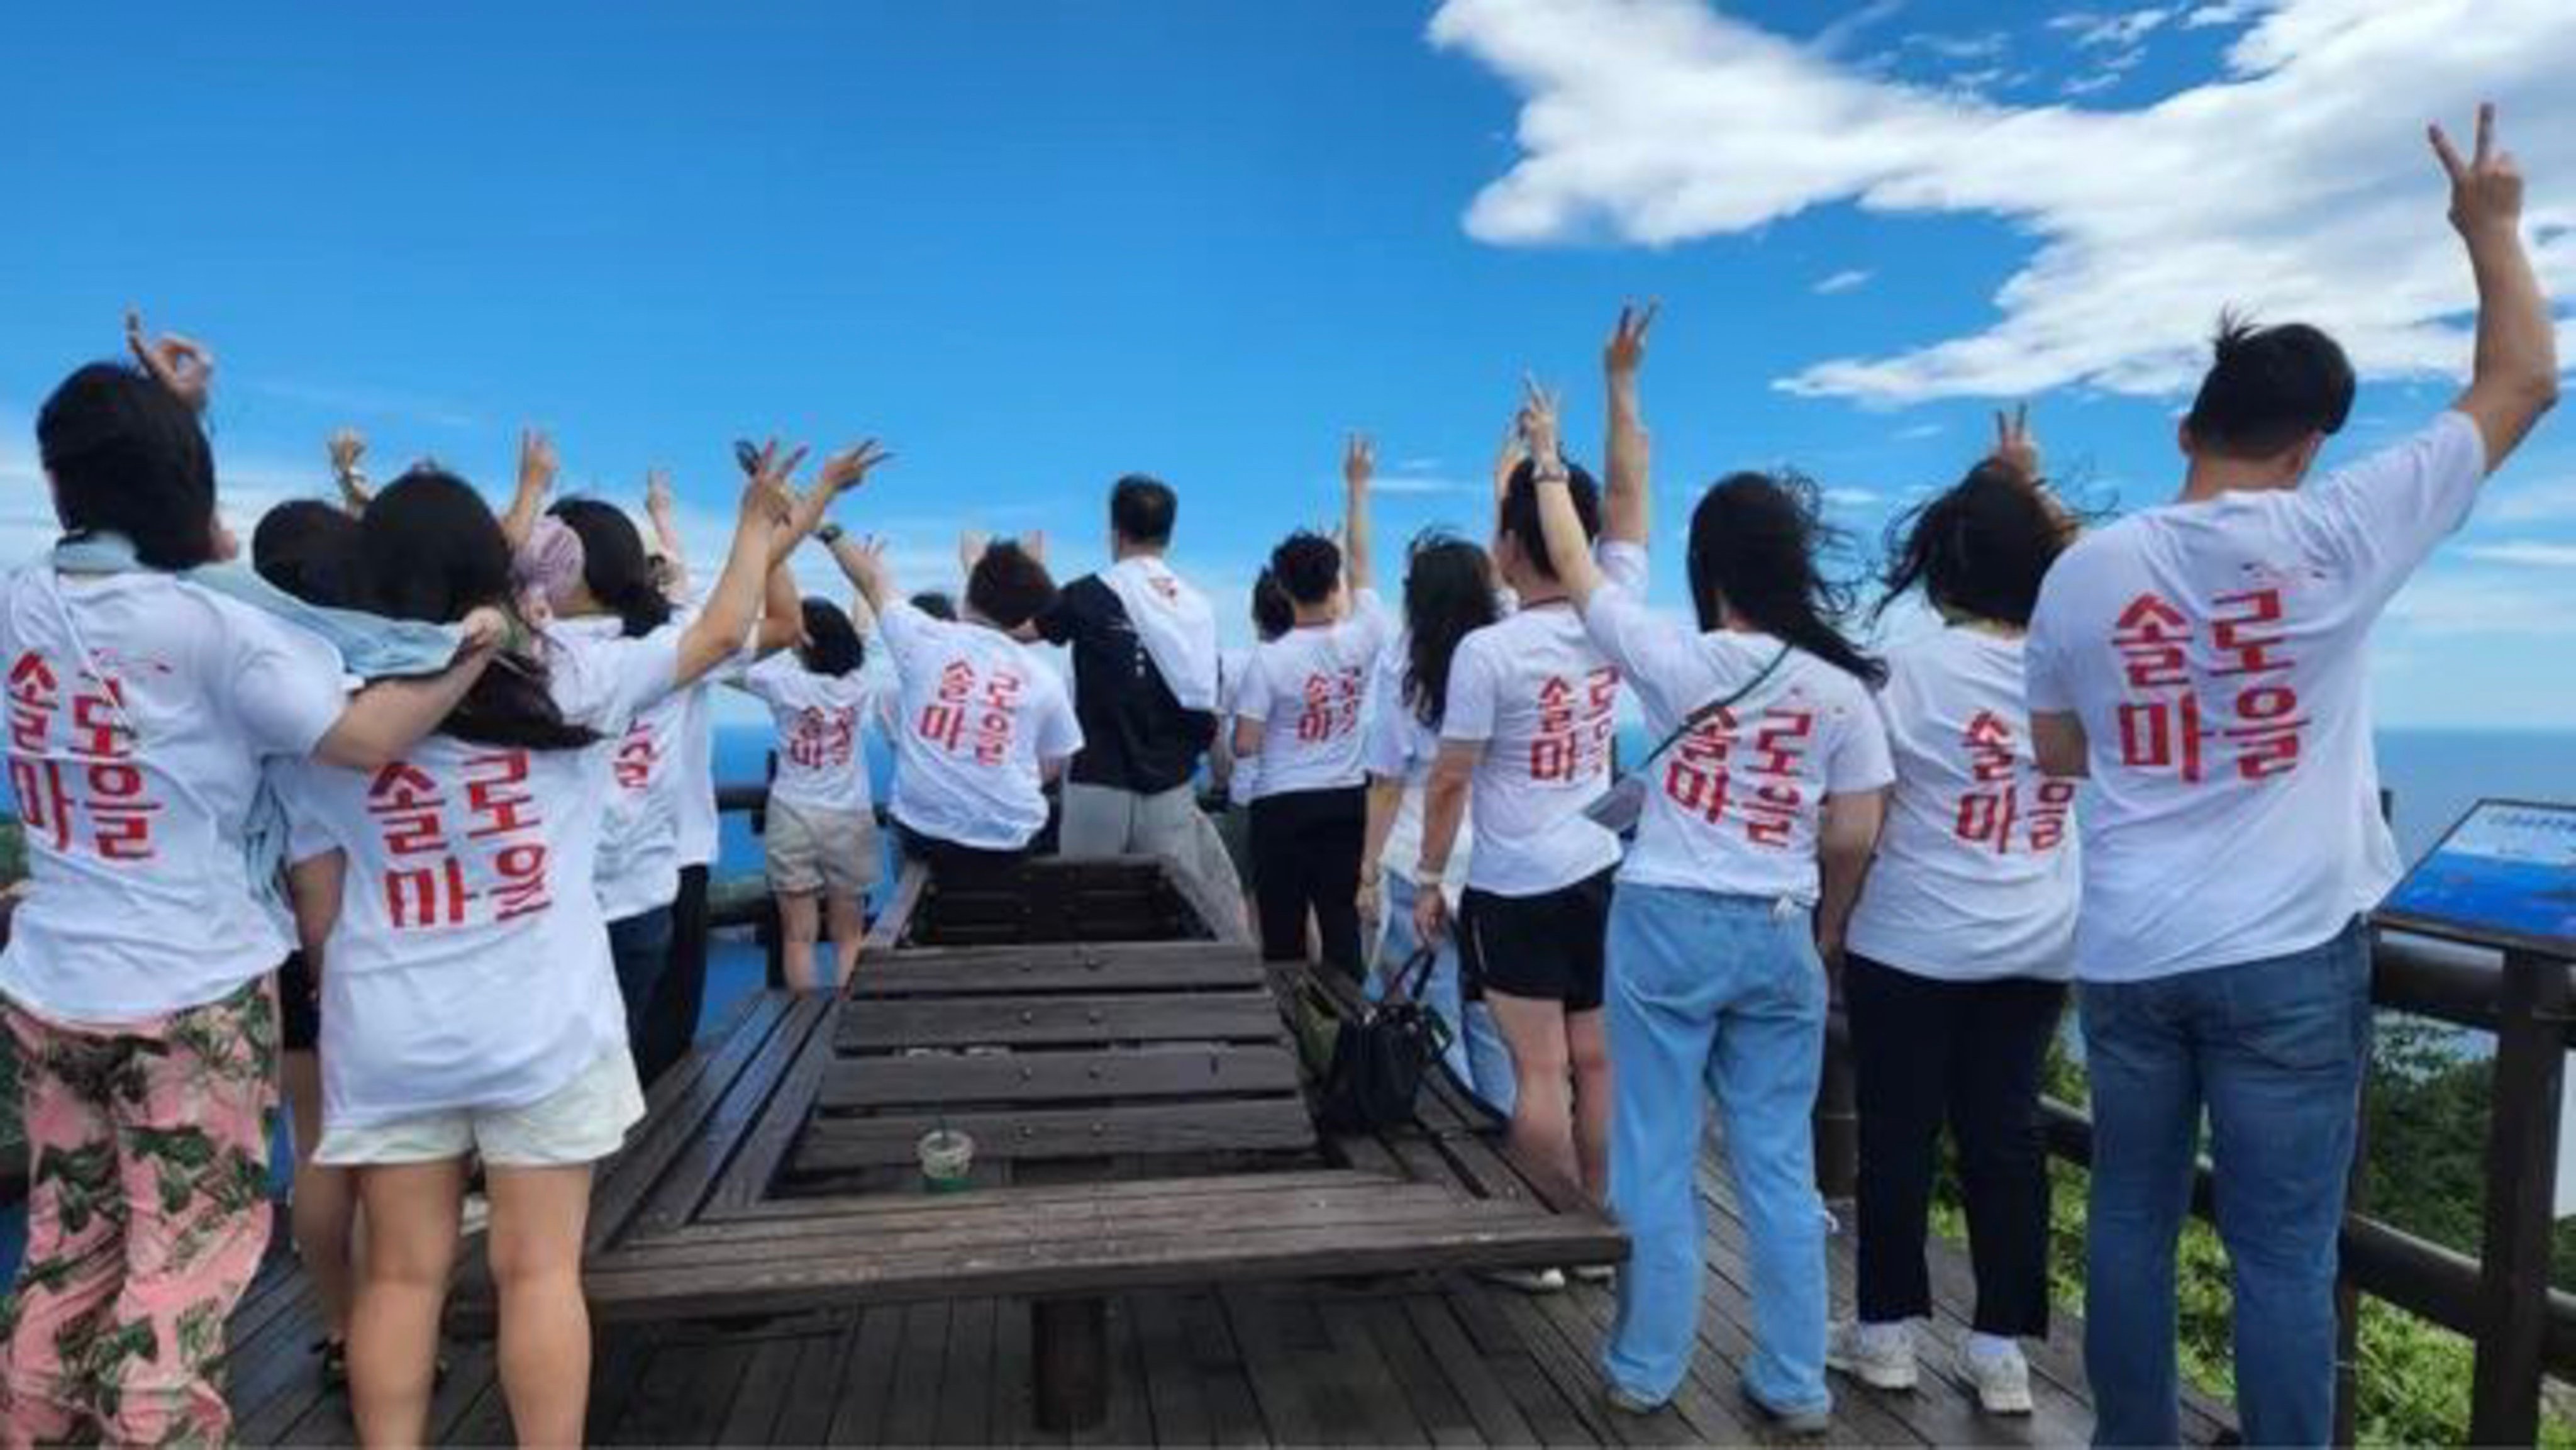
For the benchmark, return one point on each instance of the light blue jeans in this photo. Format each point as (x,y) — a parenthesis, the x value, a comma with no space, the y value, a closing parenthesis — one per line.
(1477,1056)
(2273,1051)
(1722,995)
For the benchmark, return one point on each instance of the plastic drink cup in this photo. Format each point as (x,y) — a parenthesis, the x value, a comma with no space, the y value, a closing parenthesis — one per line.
(947,1160)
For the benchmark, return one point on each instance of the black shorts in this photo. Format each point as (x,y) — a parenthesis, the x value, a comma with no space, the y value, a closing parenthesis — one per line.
(1547,947)
(299,1006)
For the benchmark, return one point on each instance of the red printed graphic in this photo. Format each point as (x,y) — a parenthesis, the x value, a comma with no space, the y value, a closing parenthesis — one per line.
(501,831)
(1575,724)
(1756,770)
(2250,672)
(1329,707)
(2011,797)
(978,713)
(94,776)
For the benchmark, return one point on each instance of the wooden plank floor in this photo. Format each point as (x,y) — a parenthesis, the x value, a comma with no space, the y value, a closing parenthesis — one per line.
(1430,1360)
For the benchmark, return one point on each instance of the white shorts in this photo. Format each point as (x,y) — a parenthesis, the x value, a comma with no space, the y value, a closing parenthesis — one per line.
(584,1121)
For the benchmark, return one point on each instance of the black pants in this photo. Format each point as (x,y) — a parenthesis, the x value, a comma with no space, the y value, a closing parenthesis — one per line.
(958,865)
(1306,857)
(1969,1053)
(670,1020)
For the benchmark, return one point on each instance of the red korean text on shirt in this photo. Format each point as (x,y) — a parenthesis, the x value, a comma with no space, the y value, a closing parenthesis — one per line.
(1329,707)
(973,713)
(637,755)
(1575,723)
(824,739)
(94,778)
(2166,726)
(1720,764)
(1994,804)
(426,882)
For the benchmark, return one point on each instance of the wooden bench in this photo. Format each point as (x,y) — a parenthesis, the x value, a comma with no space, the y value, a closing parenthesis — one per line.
(1141,1118)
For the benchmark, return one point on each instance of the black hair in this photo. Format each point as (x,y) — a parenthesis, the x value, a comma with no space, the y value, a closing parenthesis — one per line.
(1980,549)
(309,549)
(2269,389)
(1755,542)
(1273,613)
(1448,595)
(1520,517)
(1141,509)
(935,603)
(1009,586)
(128,456)
(429,549)
(832,644)
(614,566)
(1308,566)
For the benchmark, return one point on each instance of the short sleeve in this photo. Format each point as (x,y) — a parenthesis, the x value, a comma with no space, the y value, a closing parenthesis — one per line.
(2381,516)
(2046,686)
(1650,649)
(285,683)
(307,834)
(1623,564)
(1059,734)
(1468,713)
(1075,613)
(603,684)
(1252,697)
(769,680)
(1385,749)
(1861,760)
(1370,624)
(902,626)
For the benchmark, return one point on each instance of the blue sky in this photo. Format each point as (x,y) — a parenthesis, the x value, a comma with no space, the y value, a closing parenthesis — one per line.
(1033,246)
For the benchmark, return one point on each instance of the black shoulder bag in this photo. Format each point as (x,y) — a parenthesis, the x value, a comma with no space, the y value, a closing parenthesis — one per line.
(1380,1055)
(1625,800)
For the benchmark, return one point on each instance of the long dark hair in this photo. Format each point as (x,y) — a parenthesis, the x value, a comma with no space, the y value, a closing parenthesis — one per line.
(128,457)
(309,549)
(1979,549)
(614,566)
(429,548)
(1448,595)
(832,644)
(1755,542)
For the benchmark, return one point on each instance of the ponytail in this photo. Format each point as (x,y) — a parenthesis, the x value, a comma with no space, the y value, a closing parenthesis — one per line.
(614,566)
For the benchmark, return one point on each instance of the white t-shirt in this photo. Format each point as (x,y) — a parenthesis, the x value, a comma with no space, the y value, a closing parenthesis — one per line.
(2216,655)
(469,967)
(693,777)
(819,717)
(1305,688)
(981,714)
(1543,701)
(1401,747)
(639,847)
(1734,806)
(137,729)
(1977,874)
(1231,666)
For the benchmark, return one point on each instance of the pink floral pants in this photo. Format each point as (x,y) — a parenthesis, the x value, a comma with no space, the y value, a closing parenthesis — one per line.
(147,1213)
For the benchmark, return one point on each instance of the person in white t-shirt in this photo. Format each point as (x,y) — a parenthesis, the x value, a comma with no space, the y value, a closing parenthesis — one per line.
(1240,780)
(1958,954)
(145,710)
(1449,592)
(982,722)
(2206,664)
(822,831)
(470,1001)
(1761,803)
(1297,719)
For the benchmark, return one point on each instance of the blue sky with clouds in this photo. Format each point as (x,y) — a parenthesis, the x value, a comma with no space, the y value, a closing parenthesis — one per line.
(1036,245)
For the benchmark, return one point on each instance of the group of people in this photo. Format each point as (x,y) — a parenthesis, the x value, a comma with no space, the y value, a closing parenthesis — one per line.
(452,768)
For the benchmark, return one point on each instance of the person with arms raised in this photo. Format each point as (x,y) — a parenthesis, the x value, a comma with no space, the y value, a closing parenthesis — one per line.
(1146,682)
(149,694)
(1297,723)
(1964,936)
(982,721)
(2206,664)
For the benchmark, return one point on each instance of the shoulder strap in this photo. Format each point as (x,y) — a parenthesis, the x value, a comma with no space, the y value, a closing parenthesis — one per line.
(1713,708)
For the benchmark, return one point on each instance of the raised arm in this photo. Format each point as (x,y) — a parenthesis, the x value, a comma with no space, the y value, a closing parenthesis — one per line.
(537,469)
(182,366)
(2514,378)
(842,472)
(1359,464)
(661,507)
(1624,503)
(348,449)
(863,563)
(733,606)
(1567,550)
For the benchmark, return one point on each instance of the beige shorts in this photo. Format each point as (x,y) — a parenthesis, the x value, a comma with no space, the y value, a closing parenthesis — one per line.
(811,850)
(584,1121)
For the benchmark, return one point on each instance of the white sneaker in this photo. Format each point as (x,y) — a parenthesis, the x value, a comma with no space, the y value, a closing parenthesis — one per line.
(1880,1356)
(2000,1377)
(1528,1281)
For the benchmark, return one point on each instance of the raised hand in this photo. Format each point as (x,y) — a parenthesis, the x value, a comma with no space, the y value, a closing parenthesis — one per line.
(2486,189)
(1538,423)
(1508,459)
(1034,544)
(182,366)
(2016,447)
(538,465)
(348,458)
(970,549)
(766,490)
(1626,352)
(849,468)
(659,500)
(1359,460)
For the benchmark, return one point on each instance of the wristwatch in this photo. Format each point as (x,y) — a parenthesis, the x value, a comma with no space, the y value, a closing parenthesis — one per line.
(830,534)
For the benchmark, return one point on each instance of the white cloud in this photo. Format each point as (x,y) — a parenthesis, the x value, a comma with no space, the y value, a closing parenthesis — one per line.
(2456,603)
(1852,498)
(1411,484)
(2508,502)
(2297,183)
(2121,31)
(1917,432)
(1837,36)
(1843,281)
(2525,553)
(2226,12)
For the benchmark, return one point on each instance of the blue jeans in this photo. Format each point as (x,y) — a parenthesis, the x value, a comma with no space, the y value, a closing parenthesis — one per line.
(1722,995)
(2273,1051)
(1477,1056)
(640,945)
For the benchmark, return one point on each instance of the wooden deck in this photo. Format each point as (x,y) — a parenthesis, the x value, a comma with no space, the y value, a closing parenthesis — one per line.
(1413,1360)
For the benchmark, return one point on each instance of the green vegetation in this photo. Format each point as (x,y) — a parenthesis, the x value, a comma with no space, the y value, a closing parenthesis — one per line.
(2427,1112)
